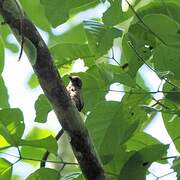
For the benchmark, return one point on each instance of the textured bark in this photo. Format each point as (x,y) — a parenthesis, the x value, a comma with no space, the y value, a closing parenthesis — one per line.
(55,91)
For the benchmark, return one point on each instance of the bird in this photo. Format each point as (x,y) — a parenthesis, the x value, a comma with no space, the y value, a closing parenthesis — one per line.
(74,89)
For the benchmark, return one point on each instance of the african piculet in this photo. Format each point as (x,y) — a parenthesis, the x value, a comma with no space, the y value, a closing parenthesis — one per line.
(74,89)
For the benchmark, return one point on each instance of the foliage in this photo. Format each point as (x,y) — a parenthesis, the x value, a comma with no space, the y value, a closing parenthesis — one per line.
(148,34)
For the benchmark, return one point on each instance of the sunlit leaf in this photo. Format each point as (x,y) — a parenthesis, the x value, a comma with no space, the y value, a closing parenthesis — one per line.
(5,169)
(42,107)
(12,122)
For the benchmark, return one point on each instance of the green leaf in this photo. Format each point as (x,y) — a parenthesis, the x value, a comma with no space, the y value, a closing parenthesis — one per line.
(67,52)
(165,28)
(30,50)
(4,97)
(49,143)
(114,15)
(12,120)
(5,32)
(130,56)
(100,37)
(173,93)
(118,74)
(5,169)
(140,140)
(1,55)
(110,123)
(35,11)
(176,166)
(42,107)
(121,156)
(172,122)
(74,35)
(57,11)
(36,134)
(140,161)
(44,174)
(169,8)
(167,59)
(33,81)
(6,134)
(95,87)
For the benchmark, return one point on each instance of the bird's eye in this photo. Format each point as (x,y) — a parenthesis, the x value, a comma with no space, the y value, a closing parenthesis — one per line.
(78,82)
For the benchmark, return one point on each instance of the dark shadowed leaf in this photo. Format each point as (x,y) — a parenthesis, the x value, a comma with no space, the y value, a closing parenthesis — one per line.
(140,161)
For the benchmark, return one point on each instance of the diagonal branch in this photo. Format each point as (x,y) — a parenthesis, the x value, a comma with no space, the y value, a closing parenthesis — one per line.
(54,89)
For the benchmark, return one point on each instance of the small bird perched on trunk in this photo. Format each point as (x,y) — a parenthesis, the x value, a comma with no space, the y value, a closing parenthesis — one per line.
(74,89)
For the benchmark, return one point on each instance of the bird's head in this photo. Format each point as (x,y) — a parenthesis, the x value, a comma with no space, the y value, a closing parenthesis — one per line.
(76,81)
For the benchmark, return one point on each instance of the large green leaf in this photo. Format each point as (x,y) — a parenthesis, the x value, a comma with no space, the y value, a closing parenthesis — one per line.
(95,87)
(172,122)
(113,123)
(100,37)
(49,143)
(117,74)
(4,97)
(74,35)
(67,52)
(130,56)
(5,169)
(12,120)
(165,28)
(115,164)
(135,168)
(115,15)
(44,174)
(140,140)
(57,11)
(169,8)
(167,59)
(36,12)
(35,135)
(42,107)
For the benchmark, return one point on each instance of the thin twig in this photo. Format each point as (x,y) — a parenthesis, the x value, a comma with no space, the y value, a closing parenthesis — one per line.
(46,154)
(167,174)
(39,160)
